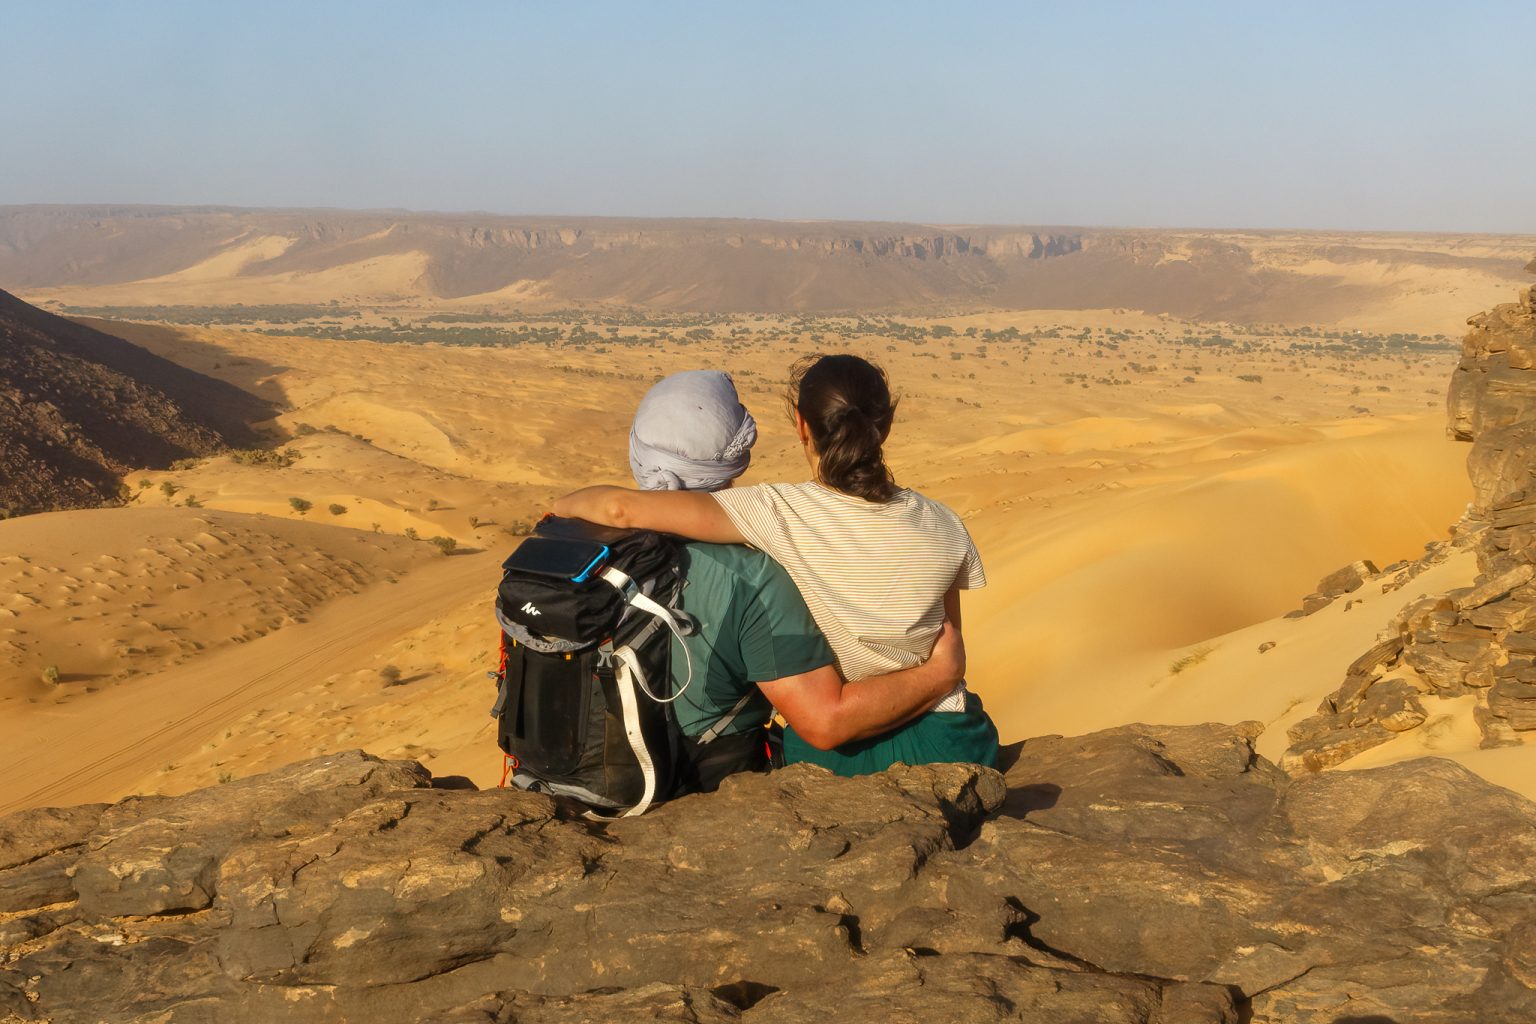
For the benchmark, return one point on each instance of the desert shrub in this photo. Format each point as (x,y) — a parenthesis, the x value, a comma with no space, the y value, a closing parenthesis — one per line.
(280,457)
(433,505)
(444,544)
(1189,660)
(390,675)
(337,510)
(410,532)
(51,675)
(300,505)
(181,465)
(190,501)
(474,522)
(169,489)
(305,429)
(145,483)
(1251,378)
(519,527)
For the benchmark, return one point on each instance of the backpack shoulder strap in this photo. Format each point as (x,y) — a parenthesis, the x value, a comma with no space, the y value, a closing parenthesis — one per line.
(713,732)
(634,597)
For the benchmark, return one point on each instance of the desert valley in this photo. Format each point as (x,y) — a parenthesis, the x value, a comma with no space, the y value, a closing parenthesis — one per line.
(259,470)
(1153,489)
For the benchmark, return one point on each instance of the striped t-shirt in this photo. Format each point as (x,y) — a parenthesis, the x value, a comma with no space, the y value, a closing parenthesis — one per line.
(873,574)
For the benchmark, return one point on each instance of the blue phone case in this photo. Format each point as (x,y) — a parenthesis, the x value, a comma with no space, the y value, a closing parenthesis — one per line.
(602,556)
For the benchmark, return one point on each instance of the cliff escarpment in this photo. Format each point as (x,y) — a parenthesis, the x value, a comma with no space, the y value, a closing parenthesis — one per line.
(130,255)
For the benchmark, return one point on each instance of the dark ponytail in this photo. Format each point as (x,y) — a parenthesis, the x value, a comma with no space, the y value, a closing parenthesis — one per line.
(847,404)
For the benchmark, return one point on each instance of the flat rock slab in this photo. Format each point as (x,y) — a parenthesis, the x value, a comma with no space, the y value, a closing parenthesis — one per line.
(1143,875)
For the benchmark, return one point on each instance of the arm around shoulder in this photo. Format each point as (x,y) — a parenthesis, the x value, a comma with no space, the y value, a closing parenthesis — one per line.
(692,514)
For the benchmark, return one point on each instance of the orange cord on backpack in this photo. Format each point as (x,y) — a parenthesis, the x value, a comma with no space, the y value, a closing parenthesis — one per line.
(509,763)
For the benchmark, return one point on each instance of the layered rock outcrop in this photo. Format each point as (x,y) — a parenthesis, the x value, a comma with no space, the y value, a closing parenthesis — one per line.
(1136,875)
(1478,640)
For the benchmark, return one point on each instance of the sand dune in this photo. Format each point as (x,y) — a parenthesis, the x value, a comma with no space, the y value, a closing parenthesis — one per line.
(226,279)
(106,594)
(230,262)
(101,748)
(1213,546)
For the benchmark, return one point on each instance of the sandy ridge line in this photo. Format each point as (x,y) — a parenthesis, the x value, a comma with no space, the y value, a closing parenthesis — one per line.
(123,721)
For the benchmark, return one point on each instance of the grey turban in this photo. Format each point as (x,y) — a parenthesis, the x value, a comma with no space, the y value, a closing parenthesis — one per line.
(691,433)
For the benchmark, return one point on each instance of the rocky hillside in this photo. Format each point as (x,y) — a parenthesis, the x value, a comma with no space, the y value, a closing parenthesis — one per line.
(1142,875)
(78,408)
(218,256)
(1479,640)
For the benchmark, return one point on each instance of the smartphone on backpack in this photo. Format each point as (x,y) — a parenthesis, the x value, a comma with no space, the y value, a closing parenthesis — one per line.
(559,558)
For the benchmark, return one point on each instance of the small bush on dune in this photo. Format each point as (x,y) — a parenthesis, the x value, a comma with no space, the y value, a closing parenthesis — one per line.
(278,457)
(444,544)
(51,675)
(300,505)
(390,675)
(169,489)
(338,510)
(1189,660)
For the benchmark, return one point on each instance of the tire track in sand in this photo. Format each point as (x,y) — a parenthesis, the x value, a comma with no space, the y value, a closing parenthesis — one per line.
(107,741)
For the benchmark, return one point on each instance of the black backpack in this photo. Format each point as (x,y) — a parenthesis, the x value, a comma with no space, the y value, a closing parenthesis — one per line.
(584,689)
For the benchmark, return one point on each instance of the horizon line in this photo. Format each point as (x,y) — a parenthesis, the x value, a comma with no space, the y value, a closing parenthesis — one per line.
(703,219)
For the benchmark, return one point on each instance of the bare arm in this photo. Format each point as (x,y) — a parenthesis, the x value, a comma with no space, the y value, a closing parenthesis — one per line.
(827,712)
(691,514)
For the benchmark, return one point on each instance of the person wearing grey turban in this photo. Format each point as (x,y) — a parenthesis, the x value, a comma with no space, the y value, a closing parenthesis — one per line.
(691,433)
(754,632)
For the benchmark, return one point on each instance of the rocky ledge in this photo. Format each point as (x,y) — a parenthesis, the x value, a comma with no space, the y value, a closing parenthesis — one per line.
(1142,874)
(1478,640)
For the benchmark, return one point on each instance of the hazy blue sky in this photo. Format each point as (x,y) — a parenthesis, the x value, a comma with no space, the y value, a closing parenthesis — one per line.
(1344,114)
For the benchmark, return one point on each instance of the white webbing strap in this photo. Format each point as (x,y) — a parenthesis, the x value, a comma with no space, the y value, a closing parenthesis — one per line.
(626,670)
(633,597)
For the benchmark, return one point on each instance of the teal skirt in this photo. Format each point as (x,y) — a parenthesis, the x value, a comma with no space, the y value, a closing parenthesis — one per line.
(939,737)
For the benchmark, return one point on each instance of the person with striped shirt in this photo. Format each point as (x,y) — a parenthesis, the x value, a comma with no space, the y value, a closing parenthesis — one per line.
(879,566)
(755,647)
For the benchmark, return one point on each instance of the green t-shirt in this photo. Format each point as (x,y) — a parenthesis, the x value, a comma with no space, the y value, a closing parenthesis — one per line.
(753,628)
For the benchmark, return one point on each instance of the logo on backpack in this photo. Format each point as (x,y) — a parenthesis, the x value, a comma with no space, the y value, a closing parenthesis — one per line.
(530,609)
